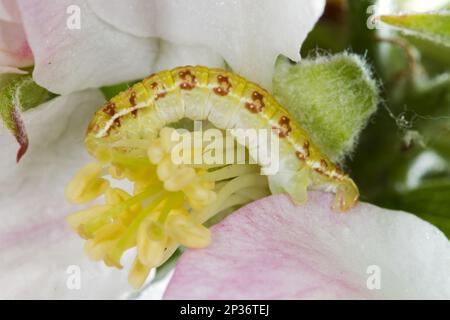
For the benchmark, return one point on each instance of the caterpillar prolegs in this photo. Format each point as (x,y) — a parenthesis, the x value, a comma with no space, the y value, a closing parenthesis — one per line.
(227,101)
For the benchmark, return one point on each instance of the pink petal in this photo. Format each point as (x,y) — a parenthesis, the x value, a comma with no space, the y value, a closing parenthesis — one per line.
(272,249)
(9,11)
(14,49)
(36,246)
(249,35)
(96,54)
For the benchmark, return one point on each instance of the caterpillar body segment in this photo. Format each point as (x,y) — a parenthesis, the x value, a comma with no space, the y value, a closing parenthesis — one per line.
(194,92)
(166,97)
(228,101)
(226,92)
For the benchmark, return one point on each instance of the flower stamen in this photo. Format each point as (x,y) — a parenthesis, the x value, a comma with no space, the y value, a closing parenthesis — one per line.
(166,209)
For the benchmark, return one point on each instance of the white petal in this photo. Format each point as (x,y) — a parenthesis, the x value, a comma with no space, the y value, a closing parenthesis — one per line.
(172,55)
(272,249)
(249,34)
(71,59)
(36,246)
(138,17)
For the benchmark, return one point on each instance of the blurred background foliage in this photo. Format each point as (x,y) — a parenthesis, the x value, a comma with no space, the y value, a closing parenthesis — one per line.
(403,158)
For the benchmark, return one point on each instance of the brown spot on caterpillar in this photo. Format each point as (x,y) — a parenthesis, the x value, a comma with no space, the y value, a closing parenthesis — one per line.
(110,109)
(339,171)
(300,155)
(224,87)
(132,98)
(257,104)
(190,81)
(306,146)
(134,113)
(285,128)
(117,122)
(305,154)
(160,95)
(323,167)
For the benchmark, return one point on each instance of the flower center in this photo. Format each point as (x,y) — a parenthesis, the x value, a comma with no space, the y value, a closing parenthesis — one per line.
(168,207)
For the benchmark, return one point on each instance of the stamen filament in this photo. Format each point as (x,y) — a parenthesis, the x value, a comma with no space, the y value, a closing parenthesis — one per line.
(93,225)
(113,258)
(176,200)
(230,171)
(231,187)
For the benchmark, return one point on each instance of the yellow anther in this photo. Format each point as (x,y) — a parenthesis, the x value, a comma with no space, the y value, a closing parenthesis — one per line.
(151,243)
(138,274)
(199,205)
(155,152)
(115,196)
(104,239)
(181,178)
(166,169)
(111,262)
(87,184)
(75,220)
(97,251)
(129,238)
(183,229)
(197,192)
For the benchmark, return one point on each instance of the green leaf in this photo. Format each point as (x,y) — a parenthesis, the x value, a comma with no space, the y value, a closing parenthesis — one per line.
(434,26)
(331,97)
(431,202)
(19,94)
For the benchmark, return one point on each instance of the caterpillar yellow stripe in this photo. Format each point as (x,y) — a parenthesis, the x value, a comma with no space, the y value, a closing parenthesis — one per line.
(228,101)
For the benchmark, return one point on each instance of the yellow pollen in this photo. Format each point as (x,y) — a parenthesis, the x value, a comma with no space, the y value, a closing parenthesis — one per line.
(165,209)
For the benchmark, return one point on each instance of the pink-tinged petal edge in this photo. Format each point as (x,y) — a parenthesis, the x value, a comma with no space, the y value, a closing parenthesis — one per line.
(272,249)
(14,49)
